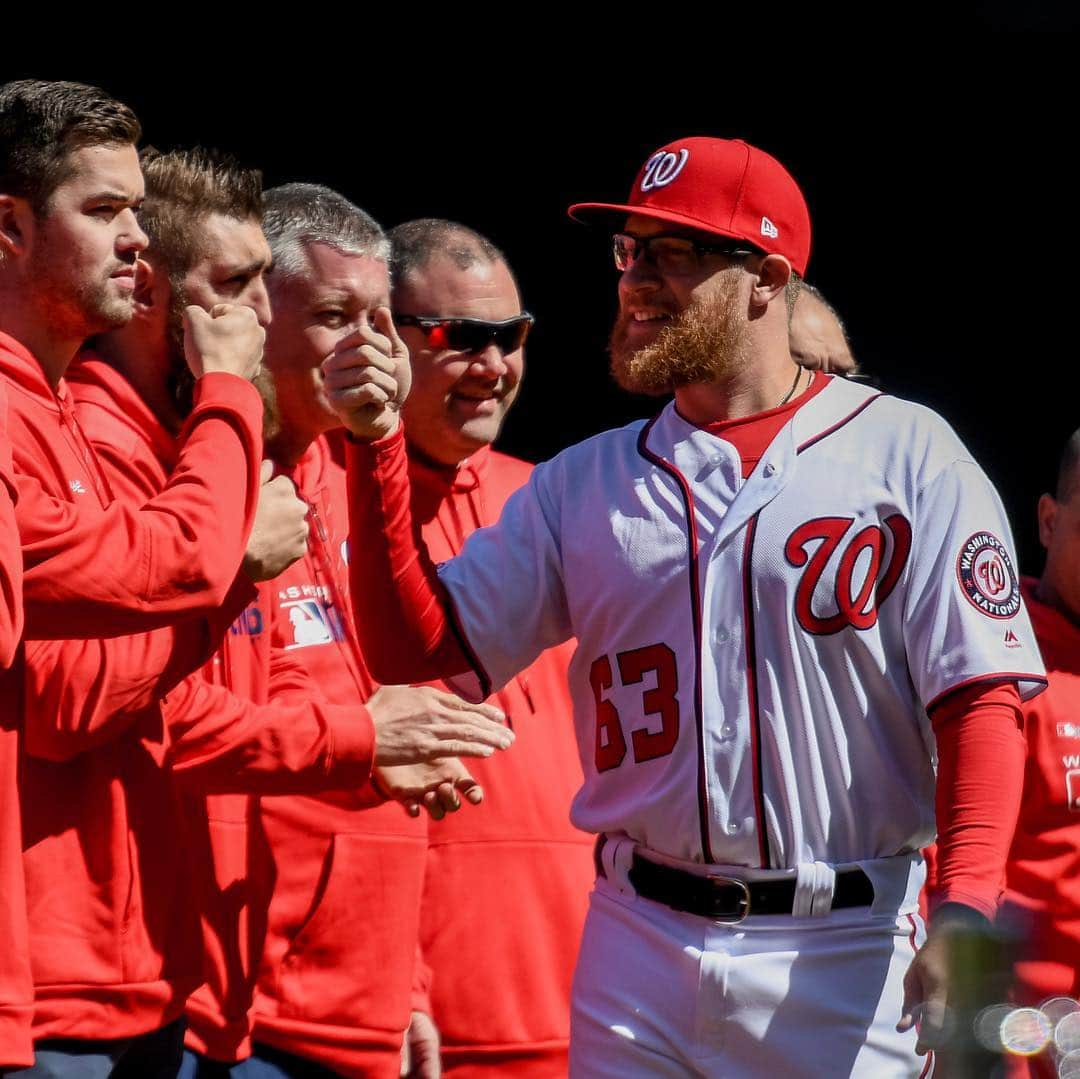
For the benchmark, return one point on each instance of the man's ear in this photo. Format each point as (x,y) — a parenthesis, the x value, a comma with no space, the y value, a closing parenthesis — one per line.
(16,225)
(773,274)
(1047,518)
(152,290)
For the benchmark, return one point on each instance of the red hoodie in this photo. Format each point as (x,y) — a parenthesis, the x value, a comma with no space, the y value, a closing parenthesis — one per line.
(340,974)
(507,885)
(14,960)
(251,722)
(1042,894)
(105,962)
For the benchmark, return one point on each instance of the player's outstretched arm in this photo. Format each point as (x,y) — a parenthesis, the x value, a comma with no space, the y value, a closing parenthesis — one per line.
(399,606)
(299,743)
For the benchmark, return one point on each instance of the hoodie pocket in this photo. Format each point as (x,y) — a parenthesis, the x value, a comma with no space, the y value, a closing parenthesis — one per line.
(351,962)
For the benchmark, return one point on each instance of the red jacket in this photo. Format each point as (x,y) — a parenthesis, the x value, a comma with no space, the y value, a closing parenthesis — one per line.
(109,934)
(1042,894)
(224,734)
(15,983)
(340,973)
(508,883)
(110,937)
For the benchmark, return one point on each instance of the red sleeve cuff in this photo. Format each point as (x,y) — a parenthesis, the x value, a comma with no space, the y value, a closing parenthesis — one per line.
(352,752)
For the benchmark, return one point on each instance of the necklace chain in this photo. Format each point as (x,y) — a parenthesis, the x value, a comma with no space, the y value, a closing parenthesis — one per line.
(787,396)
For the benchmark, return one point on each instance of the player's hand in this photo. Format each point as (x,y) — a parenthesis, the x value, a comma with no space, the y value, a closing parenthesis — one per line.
(415,724)
(368,376)
(438,786)
(280,533)
(931,976)
(420,1049)
(227,338)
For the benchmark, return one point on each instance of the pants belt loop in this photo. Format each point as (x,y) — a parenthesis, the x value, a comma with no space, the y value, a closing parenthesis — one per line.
(616,857)
(815,883)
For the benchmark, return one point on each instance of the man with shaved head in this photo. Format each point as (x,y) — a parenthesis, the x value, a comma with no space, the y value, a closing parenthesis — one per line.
(818,339)
(516,876)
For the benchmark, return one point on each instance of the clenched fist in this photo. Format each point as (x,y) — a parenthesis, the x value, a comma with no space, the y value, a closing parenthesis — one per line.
(226,338)
(280,533)
(368,377)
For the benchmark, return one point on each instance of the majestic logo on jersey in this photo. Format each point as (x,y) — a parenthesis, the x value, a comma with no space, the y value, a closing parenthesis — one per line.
(312,623)
(1011,640)
(987,577)
(662,168)
(866,571)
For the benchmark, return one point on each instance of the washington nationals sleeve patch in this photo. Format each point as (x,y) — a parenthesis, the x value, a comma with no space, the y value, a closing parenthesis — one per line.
(987,577)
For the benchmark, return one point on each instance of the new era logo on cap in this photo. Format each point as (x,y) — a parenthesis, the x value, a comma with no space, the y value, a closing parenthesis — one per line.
(721,186)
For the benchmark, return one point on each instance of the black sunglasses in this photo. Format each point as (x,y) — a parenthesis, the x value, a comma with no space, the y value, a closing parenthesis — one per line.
(471,334)
(671,253)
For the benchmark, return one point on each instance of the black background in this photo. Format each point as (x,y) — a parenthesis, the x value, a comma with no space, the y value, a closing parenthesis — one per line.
(937,159)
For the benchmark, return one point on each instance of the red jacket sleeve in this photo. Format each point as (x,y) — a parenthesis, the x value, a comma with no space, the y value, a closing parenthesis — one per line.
(298,743)
(131,569)
(981,754)
(402,612)
(88,692)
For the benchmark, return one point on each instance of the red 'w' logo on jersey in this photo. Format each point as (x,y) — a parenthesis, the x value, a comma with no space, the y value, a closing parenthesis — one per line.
(863,582)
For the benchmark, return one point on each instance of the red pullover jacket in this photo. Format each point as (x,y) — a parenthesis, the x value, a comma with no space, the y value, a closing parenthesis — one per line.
(340,973)
(507,886)
(251,722)
(93,565)
(1042,881)
(14,960)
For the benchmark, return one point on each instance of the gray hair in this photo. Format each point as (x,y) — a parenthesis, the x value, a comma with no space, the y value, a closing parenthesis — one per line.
(295,215)
(414,242)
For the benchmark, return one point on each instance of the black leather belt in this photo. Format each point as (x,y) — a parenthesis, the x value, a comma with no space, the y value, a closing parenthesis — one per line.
(728,899)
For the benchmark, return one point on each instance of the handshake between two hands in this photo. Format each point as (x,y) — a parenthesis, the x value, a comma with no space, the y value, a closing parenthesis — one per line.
(420,732)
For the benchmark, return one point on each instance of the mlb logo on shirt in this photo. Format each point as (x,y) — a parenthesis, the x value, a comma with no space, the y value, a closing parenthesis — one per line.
(1072,788)
(310,623)
(1068,730)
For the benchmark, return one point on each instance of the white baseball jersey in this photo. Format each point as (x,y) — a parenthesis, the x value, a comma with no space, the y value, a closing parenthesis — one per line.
(756,658)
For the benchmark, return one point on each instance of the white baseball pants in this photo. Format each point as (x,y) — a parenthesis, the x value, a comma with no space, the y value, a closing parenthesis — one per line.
(662,993)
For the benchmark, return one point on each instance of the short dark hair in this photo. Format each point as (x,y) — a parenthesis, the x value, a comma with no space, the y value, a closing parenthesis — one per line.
(297,214)
(1068,477)
(414,242)
(182,188)
(42,123)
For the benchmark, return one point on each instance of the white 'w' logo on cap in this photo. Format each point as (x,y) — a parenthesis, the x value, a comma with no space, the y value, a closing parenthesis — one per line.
(662,168)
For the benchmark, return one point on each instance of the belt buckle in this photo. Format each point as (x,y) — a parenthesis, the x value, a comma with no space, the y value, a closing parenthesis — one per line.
(743,910)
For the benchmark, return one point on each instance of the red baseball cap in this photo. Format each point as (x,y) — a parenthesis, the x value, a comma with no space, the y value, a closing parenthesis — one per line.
(723,186)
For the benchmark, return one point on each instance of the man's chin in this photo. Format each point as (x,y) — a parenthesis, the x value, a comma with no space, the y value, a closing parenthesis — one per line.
(633,376)
(110,313)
